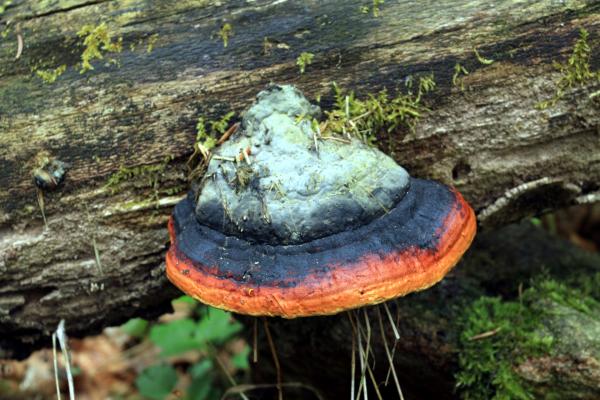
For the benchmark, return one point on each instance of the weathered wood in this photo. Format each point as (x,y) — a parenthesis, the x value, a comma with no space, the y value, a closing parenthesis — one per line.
(485,139)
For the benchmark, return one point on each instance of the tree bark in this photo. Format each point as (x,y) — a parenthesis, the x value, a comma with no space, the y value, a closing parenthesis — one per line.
(99,259)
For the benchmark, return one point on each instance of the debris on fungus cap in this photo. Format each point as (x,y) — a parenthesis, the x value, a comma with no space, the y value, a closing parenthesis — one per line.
(285,223)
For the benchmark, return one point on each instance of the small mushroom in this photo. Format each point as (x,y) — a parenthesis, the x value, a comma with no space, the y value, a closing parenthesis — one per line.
(346,227)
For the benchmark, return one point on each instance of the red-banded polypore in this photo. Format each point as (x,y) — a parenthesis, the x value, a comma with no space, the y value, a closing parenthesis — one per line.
(306,225)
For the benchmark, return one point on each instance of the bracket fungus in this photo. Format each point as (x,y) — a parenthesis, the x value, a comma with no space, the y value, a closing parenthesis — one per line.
(288,223)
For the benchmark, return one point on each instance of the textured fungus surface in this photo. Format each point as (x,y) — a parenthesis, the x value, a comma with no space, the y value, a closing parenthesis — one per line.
(292,192)
(279,242)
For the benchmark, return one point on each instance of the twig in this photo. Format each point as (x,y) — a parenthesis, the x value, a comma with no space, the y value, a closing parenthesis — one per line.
(337,139)
(363,115)
(247,387)
(232,129)
(19,45)
(232,159)
(245,155)
(485,334)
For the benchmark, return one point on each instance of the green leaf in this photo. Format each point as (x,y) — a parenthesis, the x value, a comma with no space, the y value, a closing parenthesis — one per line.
(216,326)
(135,327)
(201,368)
(185,300)
(201,387)
(175,337)
(240,360)
(156,382)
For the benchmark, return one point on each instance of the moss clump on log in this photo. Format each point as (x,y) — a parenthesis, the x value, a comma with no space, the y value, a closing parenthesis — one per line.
(575,72)
(498,336)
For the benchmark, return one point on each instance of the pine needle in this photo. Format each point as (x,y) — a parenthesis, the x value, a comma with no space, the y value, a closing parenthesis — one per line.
(275,359)
(394,328)
(62,341)
(40,199)
(353,361)
(389,356)
(55,355)
(255,342)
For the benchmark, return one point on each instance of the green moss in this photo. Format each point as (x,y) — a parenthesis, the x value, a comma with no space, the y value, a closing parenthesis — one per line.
(589,284)
(497,335)
(151,41)
(481,59)
(50,75)
(581,300)
(575,72)
(458,76)
(4,5)
(96,40)
(217,128)
(243,175)
(377,114)
(225,33)
(376,5)
(128,17)
(148,175)
(375,8)
(206,139)
(304,60)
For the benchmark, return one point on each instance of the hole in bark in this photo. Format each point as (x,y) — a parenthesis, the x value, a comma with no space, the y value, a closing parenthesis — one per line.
(461,170)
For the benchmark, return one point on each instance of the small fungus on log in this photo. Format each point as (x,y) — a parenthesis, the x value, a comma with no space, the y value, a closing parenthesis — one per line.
(305,226)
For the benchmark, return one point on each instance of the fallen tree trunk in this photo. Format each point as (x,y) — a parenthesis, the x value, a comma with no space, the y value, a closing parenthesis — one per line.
(126,127)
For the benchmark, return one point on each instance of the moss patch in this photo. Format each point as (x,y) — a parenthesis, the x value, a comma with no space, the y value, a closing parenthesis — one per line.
(97,40)
(147,175)
(207,133)
(225,33)
(481,59)
(50,75)
(304,60)
(458,77)
(575,72)
(377,114)
(497,335)
(4,4)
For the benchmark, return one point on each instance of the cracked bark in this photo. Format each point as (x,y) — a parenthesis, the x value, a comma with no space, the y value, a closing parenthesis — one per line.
(509,158)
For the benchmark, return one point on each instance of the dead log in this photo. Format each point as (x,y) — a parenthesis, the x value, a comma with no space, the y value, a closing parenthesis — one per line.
(125,128)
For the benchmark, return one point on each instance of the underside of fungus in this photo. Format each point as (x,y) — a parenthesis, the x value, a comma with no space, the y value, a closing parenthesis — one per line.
(287,223)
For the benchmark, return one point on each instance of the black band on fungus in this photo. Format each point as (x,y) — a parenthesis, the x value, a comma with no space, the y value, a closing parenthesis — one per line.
(415,222)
